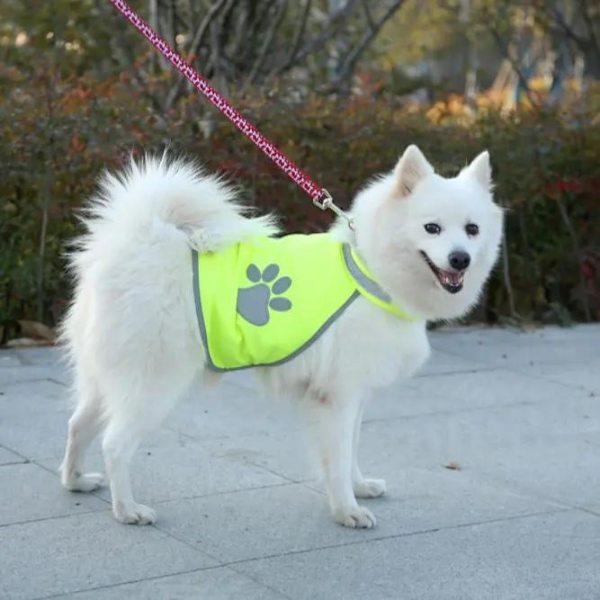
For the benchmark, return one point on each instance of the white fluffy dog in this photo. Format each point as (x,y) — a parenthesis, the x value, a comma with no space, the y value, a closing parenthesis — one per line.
(132,330)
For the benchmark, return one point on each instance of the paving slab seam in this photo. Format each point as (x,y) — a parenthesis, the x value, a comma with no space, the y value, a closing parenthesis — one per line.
(52,518)
(262,583)
(58,382)
(512,368)
(7,384)
(396,535)
(460,411)
(519,488)
(273,472)
(25,458)
(223,493)
(548,379)
(192,438)
(97,493)
(483,369)
(560,505)
(16,462)
(113,585)
(187,544)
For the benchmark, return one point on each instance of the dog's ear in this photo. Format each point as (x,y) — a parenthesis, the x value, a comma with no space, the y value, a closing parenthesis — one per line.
(480,170)
(411,168)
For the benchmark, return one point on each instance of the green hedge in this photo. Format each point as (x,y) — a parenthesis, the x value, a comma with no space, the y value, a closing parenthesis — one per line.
(56,141)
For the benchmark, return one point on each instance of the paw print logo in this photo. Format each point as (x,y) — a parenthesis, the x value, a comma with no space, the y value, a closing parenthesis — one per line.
(254,303)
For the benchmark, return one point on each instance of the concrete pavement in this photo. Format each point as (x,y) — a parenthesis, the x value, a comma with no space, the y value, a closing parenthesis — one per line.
(242,516)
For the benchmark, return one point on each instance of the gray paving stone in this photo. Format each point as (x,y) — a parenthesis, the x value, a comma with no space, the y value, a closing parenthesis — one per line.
(521,349)
(453,392)
(28,398)
(421,499)
(565,470)
(15,374)
(35,424)
(549,557)
(284,453)
(552,452)
(254,523)
(231,410)
(184,471)
(60,556)
(442,361)
(40,435)
(477,435)
(45,355)
(9,358)
(33,417)
(34,493)
(583,376)
(250,524)
(220,583)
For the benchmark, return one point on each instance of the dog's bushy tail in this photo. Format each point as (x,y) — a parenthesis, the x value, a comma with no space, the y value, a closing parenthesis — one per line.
(176,192)
(139,229)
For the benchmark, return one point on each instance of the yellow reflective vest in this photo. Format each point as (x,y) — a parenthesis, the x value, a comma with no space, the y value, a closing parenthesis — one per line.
(261,302)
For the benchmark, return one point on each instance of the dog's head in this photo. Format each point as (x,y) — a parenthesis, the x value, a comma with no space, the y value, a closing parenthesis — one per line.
(430,241)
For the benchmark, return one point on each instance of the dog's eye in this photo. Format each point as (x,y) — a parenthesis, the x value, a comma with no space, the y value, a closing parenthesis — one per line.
(433,228)
(472,229)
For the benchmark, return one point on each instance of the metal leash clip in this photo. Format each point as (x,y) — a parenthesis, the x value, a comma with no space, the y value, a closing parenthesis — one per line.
(325,202)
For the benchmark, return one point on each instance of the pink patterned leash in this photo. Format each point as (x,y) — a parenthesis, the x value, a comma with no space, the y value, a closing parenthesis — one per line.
(320,196)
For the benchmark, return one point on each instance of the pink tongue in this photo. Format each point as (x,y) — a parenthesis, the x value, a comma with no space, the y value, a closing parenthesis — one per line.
(451,277)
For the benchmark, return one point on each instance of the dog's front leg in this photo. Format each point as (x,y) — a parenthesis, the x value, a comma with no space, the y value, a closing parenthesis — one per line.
(332,422)
(363,488)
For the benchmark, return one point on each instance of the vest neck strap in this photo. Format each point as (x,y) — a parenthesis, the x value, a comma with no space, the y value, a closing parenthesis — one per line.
(367,286)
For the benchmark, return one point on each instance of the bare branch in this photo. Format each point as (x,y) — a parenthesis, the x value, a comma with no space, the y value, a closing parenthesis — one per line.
(197,42)
(354,55)
(513,62)
(368,14)
(590,25)
(336,20)
(269,37)
(297,40)
(568,30)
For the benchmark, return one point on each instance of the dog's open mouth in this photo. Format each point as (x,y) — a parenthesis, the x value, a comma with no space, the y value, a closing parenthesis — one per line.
(451,281)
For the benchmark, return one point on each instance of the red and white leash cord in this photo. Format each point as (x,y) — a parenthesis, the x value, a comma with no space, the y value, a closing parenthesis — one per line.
(320,196)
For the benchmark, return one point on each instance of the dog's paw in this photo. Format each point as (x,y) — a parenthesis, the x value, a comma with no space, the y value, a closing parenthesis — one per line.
(357,517)
(83,482)
(134,514)
(369,488)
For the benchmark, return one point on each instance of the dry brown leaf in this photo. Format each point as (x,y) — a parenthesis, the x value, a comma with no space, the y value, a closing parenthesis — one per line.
(452,465)
(36,330)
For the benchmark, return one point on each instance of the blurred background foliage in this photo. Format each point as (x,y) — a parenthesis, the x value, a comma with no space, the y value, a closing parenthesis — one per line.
(342,86)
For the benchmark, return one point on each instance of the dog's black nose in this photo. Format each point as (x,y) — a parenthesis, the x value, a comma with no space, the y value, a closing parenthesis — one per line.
(459,260)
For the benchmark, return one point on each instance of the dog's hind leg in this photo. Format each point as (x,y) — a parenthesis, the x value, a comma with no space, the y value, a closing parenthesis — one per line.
(135,410)
(121,440)
(84,425)
(332,418)
(363,488)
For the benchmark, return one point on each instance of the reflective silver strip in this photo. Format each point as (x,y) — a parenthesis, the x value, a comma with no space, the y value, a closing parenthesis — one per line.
(203,334)
(364,281)
(198,301)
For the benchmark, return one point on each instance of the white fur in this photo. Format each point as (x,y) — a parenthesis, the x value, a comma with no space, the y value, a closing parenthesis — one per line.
(132,333)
